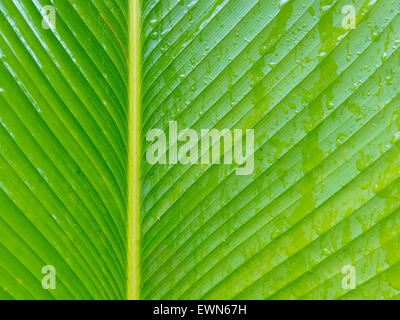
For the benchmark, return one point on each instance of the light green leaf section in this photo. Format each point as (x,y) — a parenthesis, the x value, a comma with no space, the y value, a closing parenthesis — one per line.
(325,192)
(63,148)
(324,104)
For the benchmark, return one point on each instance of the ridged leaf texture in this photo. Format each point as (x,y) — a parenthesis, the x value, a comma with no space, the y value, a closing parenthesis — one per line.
(322,99)
(63,156)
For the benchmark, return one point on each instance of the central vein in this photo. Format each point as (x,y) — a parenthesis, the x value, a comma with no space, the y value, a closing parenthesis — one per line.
(133,233)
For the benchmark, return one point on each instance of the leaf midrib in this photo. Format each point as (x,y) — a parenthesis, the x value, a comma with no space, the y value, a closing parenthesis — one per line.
(133,232)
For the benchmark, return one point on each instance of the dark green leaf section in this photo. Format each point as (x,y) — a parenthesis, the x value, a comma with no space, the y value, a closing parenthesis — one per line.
(325,193)
(63,148)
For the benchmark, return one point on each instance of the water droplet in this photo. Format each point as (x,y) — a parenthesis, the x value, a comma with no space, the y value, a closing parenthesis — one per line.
(154,35)
(153,22)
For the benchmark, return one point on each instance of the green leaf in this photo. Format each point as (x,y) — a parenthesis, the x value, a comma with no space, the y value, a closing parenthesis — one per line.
(63,151)
(77,192)
(325,191)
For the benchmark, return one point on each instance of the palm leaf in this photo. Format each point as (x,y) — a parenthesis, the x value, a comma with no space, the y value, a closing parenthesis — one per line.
(324,104)
(63,149)
(78,193)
